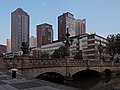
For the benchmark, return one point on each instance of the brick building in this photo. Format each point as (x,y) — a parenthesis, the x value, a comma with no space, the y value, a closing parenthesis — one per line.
(44,34)
(3,49)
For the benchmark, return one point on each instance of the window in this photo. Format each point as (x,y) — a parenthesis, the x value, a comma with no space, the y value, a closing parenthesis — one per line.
(91,52)
(91,42)
(91,47)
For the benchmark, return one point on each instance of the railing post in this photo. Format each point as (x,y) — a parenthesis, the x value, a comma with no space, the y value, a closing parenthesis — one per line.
(68,73)
(101,62)
(88,64)
(112,63)
(67,67)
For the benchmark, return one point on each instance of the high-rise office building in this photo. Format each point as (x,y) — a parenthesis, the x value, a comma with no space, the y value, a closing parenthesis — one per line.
(44,34)
(80,26)
(8,43)
(19,29)
(75,26)
(66,20)
(33,42)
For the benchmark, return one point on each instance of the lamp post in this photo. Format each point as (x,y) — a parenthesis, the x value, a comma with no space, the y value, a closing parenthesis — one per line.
(67,41)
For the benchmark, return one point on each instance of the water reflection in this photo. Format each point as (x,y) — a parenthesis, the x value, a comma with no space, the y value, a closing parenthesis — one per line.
(107,79)
(96,84)
(84,83)
(107,83)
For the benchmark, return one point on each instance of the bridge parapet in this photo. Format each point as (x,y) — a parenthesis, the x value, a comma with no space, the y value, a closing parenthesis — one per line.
(95,63)
(79,63)
(108,64)
(29,62)
(25,62)
(117,64)
(30,66)
(48,62)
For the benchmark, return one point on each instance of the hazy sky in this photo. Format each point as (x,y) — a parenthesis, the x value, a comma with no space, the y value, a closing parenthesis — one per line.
(103,16)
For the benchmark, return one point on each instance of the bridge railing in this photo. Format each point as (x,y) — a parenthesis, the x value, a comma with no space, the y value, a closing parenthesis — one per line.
(117,64)
(12,62)
(25,62)
(108,64)
(48,62)
(94,63)
(33,62)
(80,63)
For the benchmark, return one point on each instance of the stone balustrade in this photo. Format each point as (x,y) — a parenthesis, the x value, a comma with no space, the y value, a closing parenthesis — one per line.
(29,62)
(31,67)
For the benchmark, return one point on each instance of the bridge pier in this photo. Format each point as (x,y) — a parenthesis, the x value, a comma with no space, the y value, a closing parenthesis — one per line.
(68,75)
(67,67)
(101,62)
(112,63)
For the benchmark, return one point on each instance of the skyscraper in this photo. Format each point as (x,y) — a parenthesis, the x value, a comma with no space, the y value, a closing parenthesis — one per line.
(75,26)
(64,21)
(19,29)
(32,41)
(8,43)
(44,34)
(80,26)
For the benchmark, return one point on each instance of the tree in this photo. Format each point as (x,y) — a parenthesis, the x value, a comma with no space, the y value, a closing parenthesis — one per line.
(61,52)
(44,55)
(78,55)
(111,45)
(117,44)
(25,48)
(100,49)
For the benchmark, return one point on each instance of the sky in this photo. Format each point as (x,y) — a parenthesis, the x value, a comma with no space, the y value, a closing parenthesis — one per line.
(102,16)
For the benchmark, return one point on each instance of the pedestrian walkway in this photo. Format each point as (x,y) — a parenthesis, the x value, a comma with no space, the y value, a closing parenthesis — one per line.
(20,83)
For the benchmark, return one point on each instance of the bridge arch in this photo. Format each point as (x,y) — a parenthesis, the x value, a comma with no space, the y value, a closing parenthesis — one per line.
(39,71)
(51,76)
(107,72)
(85,73)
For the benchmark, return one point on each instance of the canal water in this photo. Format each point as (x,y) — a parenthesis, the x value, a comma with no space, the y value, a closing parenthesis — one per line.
(96,83)
(85,83)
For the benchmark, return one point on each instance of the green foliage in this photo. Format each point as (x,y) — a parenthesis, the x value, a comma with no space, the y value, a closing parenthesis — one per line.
(63,38)
(25,48)
(44,55)
(60,52)
(117,43)
(78,55)
(101,49)
(113,45)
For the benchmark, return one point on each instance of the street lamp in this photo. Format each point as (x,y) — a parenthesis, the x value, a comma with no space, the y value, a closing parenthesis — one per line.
(67,41)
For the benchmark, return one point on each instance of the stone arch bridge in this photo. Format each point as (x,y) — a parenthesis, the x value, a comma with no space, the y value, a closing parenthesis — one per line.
(32,67)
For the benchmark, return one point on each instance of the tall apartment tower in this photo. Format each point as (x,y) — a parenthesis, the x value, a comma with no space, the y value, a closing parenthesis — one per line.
(32,41)
(8,43)
(66,20)
(19,29)
(44,34)
(75,26)
(80,26)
